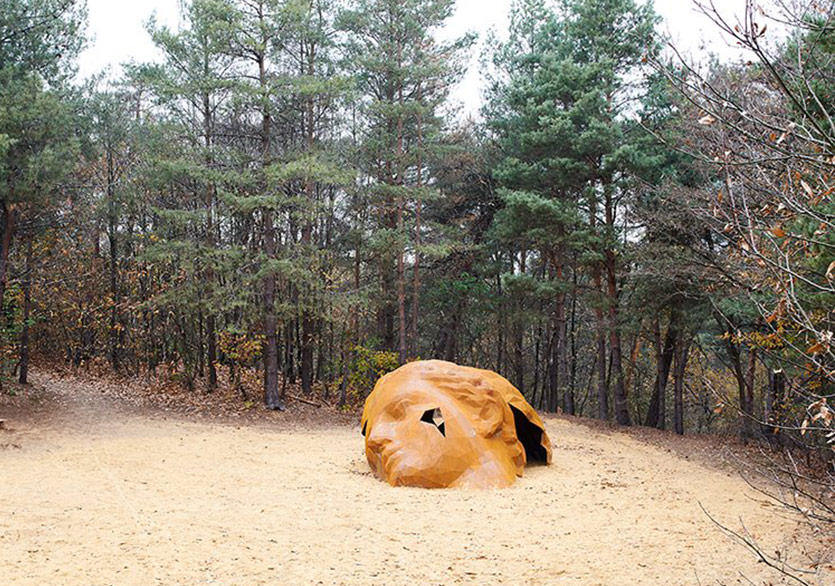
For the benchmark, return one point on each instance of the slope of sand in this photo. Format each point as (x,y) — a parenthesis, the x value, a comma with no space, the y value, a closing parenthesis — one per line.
(102,496)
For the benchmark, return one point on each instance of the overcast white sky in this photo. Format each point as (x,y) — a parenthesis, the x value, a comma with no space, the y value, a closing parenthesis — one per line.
(118,32)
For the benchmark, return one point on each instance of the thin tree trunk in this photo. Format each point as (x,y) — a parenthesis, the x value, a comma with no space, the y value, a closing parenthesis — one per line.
(272,397)
(415,333)
(401,292)
(536,359)
(551,396)
(115,298)
(572,384)
(681,354)
(664,351)
(519,334)
(518,356)
(653,414)
(297,341)
(600,326)
(201,336)
(451,333)
(735,356)
(621,406)
(306,363)
(211,334)
(319,337)
(27,304)
(9,226)
(343,387)
(770,395)
(307,337)
(401,182)
(500,353)
(563,390)
(211,350)
(629,377)
(750,381)
(775,400)
(353,335)
(385,314)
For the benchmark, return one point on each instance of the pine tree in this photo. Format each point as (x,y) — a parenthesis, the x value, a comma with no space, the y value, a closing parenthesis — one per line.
(195,84)
(310,171)
(39,39)
(613,38)
(557,109)
(404,75)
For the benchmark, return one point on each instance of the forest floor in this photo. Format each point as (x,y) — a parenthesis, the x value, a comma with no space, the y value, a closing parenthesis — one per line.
(98,490)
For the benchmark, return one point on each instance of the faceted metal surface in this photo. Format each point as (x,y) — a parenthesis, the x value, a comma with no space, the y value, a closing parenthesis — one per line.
(435,424)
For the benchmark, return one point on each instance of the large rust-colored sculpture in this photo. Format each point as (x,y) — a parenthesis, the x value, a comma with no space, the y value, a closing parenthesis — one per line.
(436,424)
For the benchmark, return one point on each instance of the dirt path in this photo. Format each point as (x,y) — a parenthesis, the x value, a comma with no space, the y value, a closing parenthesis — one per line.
(97,495)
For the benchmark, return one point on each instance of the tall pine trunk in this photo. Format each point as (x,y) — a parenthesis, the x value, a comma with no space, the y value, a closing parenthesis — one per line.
(211,334)
(600,323)
(272,397)
(307,337)
(621,406)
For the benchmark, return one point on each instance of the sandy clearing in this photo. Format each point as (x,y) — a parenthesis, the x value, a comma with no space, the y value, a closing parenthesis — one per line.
(122,499)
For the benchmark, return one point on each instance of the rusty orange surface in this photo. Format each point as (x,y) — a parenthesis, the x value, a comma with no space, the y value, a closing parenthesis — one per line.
(436,424)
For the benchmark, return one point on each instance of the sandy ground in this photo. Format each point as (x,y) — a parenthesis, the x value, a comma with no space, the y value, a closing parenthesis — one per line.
(99,495)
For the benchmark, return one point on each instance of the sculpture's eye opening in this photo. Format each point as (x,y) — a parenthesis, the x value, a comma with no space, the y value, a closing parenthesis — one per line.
(436,418)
